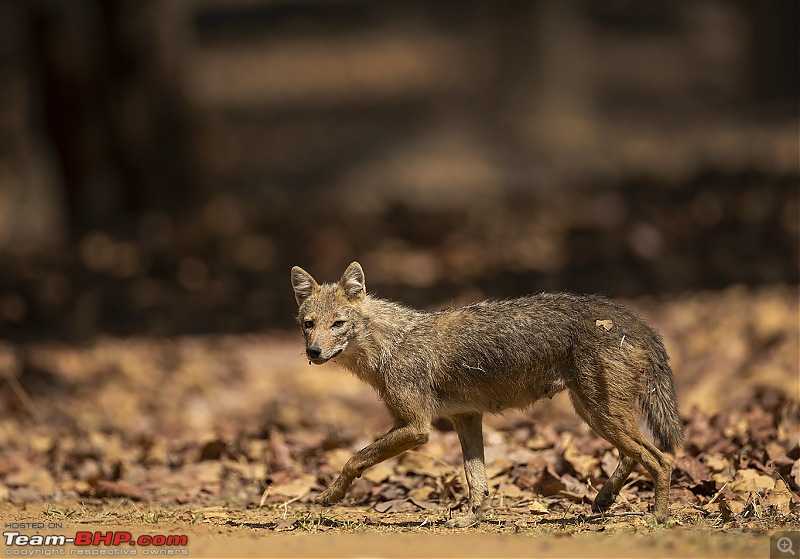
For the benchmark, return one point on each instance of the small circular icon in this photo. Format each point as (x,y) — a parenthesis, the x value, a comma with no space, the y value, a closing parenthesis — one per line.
(785,545)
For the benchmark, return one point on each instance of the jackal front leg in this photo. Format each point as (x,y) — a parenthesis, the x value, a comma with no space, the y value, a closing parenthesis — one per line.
(470,433)
(399,439)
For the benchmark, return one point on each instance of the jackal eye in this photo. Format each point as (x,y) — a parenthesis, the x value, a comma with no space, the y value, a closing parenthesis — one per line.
(308,324)
(338,323)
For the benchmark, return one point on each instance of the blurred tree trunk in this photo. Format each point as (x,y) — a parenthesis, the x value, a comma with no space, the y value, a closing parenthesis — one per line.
(113,108)
(31,209)
(774,54)
(539,87)
(562,93)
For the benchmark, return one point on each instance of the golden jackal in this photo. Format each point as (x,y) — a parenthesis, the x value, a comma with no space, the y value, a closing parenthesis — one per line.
(489,357)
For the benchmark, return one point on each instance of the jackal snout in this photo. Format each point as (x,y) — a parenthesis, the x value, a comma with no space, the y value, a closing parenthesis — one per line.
(316,356)
(313,351)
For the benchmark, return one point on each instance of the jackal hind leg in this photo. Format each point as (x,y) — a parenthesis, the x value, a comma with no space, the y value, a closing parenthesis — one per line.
(617,424)
(470,434)
(611,488)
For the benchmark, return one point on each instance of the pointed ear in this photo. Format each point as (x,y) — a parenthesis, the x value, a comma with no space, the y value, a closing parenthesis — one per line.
(303,284)
(352,282)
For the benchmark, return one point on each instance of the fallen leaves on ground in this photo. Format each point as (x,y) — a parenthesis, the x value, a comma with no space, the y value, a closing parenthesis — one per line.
(242,422)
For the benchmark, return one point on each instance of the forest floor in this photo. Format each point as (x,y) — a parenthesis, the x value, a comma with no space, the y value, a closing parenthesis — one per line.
(227,439)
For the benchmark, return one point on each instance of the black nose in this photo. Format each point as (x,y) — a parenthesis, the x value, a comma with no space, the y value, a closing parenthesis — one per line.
(313,351)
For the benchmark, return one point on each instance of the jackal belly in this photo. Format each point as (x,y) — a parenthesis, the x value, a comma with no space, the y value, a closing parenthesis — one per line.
(497,392)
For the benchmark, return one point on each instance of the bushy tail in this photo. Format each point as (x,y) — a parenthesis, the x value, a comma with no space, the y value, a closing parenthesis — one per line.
(659,403)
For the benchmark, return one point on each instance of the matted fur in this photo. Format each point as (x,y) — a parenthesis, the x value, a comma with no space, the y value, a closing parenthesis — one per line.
(491,356)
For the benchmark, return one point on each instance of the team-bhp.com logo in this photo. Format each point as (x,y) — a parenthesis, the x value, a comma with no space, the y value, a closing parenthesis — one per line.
(89,543)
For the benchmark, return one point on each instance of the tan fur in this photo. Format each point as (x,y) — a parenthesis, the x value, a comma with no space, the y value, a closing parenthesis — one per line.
(489,357)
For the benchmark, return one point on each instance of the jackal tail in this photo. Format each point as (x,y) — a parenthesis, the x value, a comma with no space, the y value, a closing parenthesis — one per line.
(659,404)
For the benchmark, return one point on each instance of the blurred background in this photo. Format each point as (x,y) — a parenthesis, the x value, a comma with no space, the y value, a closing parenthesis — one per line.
(164,164)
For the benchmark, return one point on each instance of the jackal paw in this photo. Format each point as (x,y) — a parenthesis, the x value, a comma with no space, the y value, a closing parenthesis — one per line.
(603,501)
(464,521)
(329,497)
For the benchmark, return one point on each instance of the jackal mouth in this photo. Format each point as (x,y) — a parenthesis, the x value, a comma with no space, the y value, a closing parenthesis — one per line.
(323,360)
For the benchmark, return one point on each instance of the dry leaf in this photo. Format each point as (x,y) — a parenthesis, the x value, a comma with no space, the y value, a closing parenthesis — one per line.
(285,525)
(7,465)
(574,490)
(103,489)
(509,490)
(420,463)
(214,450)
(695,469)
(337,458)
(605,324)
(539,442)
(706,488)
(538,507)
(498,466)
(207,473)
(421,493)
(718,463)
(35,477)
(781,497)
(255,471)
(584,464)
(748,480)
(608,463)
(379,473)
(497,481)
(425,505)
(297,487)
(281,456)
(395,505)
(725,509)
(549,483)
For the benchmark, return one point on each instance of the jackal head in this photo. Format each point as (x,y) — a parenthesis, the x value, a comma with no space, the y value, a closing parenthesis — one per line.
(327,312)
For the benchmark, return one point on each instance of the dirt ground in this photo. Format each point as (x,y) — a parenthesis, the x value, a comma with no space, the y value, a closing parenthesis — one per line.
(359,531)
(227,440)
